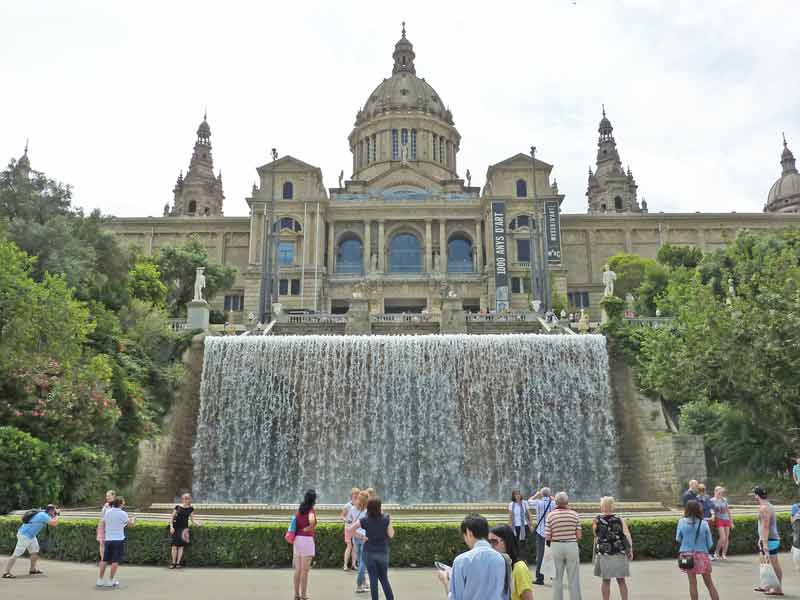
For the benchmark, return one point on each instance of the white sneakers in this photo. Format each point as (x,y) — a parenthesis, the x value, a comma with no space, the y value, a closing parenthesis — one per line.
(108,584)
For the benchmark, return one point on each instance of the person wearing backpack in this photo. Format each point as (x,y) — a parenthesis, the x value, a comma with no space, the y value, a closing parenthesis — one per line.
(613,549)
(33,522)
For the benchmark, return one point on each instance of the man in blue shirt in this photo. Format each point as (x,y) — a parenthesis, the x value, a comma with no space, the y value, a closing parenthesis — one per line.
(542,503)
(26,539)
(691,493)
(481,573)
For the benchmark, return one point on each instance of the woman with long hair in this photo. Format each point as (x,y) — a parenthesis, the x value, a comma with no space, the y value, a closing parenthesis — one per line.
(101,526)
(519,519)
(723,519)
(358,542)
(304,549)
(349,513)
(613,549)
(504,540)
(694,536)
(378,530)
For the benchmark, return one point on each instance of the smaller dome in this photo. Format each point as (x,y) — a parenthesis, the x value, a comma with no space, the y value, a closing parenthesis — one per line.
(204,131)
(784,193)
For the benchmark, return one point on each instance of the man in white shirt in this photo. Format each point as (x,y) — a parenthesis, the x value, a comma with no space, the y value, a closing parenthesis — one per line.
(542,503)
(116,520)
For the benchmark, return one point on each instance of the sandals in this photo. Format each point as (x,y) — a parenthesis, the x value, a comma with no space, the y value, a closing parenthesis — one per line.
(35,572)
(8,576)
(173,566)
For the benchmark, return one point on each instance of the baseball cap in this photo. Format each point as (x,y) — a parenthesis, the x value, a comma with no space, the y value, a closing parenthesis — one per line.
(760,492)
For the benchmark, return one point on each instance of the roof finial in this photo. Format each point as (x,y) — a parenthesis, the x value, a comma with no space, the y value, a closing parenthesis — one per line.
(782,133)
(604,109)
(26,144)
(404,30)
(205,113)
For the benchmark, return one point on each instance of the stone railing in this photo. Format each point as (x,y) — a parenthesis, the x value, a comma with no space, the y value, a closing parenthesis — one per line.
(314,318)
(401,317)
(178,325)
(651,322)
(521,316)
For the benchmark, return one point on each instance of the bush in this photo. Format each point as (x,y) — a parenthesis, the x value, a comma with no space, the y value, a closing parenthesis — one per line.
(262,545)
(28,471)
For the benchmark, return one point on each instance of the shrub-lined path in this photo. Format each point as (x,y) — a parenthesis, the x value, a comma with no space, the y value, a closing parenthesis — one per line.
(651,580)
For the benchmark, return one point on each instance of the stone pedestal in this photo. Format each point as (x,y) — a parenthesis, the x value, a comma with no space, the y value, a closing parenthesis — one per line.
(358,317)
(197,315)
(454,319)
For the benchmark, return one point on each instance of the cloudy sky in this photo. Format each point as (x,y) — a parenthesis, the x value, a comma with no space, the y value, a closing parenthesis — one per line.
(110,93)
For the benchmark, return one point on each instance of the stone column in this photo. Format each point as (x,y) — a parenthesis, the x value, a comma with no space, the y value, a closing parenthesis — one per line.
(628,241)
(255,221)
(381,246)
(443,245)
(331,244)
(367,244)
(478,248)
(428,247)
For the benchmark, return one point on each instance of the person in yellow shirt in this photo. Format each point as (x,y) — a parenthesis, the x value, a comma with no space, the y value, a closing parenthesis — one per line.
(503,540)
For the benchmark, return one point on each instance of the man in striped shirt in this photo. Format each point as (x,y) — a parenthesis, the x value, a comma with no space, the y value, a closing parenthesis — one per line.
(562,532)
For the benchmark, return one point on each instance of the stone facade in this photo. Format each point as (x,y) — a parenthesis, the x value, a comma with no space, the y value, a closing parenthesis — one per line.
(408,226)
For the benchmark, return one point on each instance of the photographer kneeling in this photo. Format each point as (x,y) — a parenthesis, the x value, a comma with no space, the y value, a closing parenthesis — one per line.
(32,523)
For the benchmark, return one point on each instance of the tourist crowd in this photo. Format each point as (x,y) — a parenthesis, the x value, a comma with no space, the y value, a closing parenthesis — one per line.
(542,529)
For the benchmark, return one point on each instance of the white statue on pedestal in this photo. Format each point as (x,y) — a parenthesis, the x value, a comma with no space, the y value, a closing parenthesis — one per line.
(199,283)
(609,277)
(404,154)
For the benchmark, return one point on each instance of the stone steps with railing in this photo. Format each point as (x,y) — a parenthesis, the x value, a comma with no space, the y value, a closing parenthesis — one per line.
(405,327)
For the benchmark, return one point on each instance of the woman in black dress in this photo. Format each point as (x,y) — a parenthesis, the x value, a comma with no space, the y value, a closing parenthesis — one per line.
(179,529)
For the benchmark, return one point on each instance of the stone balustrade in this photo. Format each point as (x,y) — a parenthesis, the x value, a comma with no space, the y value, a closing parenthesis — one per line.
(651,322)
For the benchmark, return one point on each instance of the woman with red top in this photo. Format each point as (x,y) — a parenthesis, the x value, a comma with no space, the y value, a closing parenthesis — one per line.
(304,549)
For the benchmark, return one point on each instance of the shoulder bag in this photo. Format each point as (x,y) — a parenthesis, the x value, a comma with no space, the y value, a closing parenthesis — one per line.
(686,559)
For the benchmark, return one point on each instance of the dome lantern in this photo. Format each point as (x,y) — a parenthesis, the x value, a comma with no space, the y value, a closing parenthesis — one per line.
(403,55)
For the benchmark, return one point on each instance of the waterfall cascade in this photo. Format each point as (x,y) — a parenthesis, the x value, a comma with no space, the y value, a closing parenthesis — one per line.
(440,418)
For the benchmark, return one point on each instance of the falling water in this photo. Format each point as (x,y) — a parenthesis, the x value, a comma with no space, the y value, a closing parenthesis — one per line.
(440,418)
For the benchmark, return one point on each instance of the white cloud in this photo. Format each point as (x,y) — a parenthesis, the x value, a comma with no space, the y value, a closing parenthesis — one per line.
(111,97)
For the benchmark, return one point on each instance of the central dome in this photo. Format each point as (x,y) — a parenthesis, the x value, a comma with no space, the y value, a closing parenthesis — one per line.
(404,91)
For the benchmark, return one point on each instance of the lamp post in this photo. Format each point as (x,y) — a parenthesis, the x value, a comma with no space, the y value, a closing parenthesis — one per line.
(265,295)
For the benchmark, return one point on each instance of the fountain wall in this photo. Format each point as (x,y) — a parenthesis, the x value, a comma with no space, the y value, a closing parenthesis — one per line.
(445,418)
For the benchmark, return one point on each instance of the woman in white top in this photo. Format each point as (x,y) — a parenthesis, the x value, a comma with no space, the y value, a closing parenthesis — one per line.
(519,518)
(348,515)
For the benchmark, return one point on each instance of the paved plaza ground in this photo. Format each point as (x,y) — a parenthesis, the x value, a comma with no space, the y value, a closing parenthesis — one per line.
(650,580)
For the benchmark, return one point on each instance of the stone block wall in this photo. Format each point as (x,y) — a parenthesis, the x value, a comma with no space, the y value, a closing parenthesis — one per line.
(165,465)
(656,461)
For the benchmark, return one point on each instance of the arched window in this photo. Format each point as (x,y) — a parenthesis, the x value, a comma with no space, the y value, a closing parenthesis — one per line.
(350,255)
(459,254)
(618,203)
(519,221)
(413,144)
(522,188)
(404,137)
(287,223)
(441,150)
(288,190)
(405,254)
(192,207)
(435,148)
(395,145)
(369,154)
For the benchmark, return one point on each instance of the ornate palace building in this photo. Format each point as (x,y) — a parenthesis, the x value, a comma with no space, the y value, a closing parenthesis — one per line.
(408,226)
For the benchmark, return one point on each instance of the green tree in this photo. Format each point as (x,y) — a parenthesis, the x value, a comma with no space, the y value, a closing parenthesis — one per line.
(29,474)
(630,270)
(653,285)
(178,265)
(679,256)
(144,283)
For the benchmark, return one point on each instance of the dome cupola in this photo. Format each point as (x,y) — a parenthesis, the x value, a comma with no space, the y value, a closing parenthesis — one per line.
(784,195)
(403,55)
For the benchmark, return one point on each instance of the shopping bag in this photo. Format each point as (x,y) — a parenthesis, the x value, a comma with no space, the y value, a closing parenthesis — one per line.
(767,576)
(796,558)
(292,531)
(548,568)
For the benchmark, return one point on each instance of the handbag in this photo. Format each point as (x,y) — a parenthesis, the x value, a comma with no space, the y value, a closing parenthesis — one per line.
(185,535)
(291,533)
(686,559)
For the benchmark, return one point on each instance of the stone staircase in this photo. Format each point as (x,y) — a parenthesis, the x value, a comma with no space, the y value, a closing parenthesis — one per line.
(308,329)
(405,327)
(501,327)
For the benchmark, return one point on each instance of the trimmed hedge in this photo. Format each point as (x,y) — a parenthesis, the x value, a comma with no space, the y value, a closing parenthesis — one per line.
(262,545)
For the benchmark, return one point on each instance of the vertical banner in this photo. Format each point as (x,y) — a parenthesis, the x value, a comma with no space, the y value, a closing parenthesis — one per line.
(552,222)
(500,255)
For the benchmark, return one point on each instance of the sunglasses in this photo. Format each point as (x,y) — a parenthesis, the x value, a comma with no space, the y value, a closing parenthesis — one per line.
(494,542)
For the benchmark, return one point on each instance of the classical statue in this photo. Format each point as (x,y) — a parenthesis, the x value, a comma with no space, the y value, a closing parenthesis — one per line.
(199,283)
(609,277)
(436,263)
(373,262)
(166,210)
(451,293)
(469,179)
(583,324)
(341,176)
(404,154)
(360,291)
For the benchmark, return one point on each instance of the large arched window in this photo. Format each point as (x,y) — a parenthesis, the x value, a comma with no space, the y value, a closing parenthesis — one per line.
(618,203)
(288,190)
(413,144)
(405,254)
(522,188)
(287,223)
(192,207)
(350,255)
(459,254)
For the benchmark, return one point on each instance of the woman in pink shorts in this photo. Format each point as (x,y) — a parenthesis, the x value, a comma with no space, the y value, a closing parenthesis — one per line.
(349,513)
(101,526)
(724,521)
(694,536)
(304,549)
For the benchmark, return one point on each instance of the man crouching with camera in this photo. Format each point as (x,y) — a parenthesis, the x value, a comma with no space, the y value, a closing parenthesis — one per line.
(33,522)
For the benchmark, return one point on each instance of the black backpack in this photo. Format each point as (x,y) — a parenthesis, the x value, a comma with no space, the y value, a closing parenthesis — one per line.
(29,514)
(610,535)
